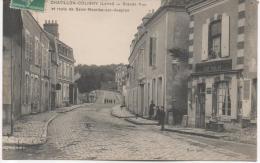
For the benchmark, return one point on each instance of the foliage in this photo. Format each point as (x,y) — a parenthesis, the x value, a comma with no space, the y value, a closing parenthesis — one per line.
(92,76)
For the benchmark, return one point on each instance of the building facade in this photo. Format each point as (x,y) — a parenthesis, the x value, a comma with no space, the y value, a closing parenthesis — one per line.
(12,63)
(223,54)
(65,71)
(53,71)
(120,77)
(65,74)
(26,66)
(36,66)
(154,65)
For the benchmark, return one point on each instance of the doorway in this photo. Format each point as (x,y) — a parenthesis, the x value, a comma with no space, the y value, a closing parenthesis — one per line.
(200,106)
(142,99)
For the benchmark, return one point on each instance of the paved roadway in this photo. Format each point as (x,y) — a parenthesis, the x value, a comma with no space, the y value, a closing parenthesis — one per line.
(91,133)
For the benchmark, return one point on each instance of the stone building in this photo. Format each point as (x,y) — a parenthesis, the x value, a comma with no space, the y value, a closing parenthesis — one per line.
(155,62)
(65,87)
(26,65)
(53,71)
(223,54)
(35,66)
(12,63)
(120,77)
(65,72)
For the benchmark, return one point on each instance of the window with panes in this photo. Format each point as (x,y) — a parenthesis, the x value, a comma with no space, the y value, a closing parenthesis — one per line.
(223,98)
(215,39)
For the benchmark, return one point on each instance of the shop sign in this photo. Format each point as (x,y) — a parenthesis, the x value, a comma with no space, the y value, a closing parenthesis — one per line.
(216,66)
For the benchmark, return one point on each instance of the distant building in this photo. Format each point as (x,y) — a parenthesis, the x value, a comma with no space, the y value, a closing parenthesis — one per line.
(65,73)
(120,77)
(223,58)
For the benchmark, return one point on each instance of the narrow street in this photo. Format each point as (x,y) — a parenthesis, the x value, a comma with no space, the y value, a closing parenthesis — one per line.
(91,133)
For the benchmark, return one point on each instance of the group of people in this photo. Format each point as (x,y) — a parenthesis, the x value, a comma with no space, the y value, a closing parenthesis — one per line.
(159,114)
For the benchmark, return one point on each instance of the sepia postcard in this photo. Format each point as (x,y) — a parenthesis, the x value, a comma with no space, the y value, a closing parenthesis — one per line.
(129,80)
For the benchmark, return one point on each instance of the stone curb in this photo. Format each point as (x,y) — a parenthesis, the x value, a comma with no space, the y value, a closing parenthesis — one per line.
(119,116)
(68,110)
(38,140)
(195,133)
(139,123)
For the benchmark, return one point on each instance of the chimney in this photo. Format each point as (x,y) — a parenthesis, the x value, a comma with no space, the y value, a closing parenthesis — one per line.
(52,27)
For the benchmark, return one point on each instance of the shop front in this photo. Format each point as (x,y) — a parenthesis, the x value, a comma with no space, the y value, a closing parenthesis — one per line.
(213,94)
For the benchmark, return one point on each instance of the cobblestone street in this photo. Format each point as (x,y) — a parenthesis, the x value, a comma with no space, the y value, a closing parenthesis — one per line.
(92,133)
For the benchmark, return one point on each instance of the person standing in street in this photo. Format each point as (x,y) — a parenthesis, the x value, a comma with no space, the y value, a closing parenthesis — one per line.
(162,117)
(157,116)
(151,110)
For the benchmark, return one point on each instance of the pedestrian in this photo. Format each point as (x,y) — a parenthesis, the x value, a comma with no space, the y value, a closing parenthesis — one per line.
(162,117)
(157,113)
(151,110)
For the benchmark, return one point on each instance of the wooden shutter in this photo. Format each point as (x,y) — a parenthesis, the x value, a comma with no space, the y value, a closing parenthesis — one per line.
(150,52)
(225,36)
(205,35)
(154,51)
(246,106)
(233,90)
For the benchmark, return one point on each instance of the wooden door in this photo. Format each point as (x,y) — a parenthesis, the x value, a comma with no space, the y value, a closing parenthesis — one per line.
(200,106)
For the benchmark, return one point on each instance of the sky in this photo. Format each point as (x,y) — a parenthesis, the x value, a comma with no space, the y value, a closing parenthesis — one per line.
(98,37)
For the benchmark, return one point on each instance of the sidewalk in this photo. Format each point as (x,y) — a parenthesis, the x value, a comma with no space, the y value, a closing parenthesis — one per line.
(141,121)
(195,131)
(247,135)
(32,129)
(119,112)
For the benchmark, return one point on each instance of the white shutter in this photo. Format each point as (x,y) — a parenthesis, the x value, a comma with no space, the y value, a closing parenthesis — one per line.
(246,98)
(205,34)
(233,96)
(225,36)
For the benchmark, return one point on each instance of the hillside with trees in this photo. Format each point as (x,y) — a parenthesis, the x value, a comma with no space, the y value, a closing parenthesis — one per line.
(93,77)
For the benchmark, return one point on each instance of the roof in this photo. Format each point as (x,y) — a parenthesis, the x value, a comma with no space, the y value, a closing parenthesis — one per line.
(26,12)
(71,56)
(191,3)
(169,4)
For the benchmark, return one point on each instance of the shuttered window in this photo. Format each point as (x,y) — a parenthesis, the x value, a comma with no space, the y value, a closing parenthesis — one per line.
(215,40)
(223,98)
(205,32)
(152,53)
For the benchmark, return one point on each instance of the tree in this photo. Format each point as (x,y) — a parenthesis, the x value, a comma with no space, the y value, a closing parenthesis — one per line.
(93,76)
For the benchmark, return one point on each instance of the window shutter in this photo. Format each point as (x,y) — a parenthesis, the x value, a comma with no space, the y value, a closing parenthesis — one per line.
(154,51)
(233,95)
(150,52)
(246,98)
(205,34)
(225,36)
